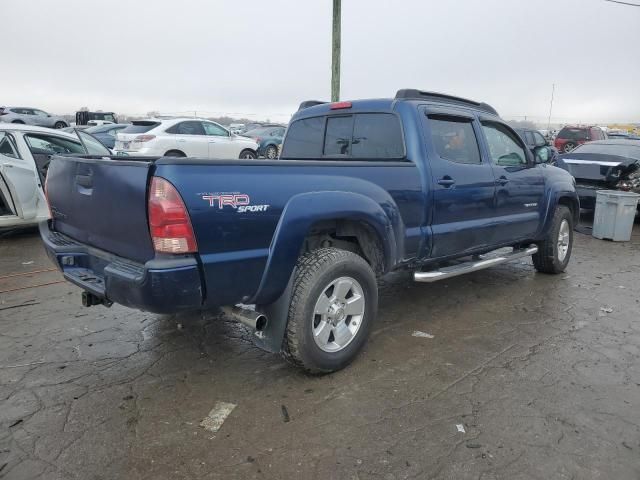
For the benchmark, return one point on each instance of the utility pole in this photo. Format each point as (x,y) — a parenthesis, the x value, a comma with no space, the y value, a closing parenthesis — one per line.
(335,57)
(553,91)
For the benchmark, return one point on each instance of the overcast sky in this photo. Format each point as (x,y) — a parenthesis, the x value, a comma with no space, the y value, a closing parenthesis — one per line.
(263,57)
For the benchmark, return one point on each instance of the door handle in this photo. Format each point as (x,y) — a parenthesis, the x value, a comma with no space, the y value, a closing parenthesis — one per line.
(502,180)
(446,181)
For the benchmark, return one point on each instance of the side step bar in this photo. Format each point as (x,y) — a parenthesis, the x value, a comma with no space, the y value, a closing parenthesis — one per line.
(472,266)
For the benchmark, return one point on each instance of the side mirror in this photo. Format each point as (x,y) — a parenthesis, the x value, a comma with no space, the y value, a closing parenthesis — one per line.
(542,154)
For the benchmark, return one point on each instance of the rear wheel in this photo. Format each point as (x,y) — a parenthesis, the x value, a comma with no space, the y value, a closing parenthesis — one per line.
(554,251)
(248,154)
(59,125)
(271,152)
(333,305)
(174,153)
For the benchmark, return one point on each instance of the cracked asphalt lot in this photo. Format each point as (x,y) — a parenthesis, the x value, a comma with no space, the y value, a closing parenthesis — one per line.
(542,372)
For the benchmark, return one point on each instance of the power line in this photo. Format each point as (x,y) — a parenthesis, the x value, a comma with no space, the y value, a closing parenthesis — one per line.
(623,3)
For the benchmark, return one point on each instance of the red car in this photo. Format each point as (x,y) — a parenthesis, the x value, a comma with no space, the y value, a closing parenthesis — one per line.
(570,137)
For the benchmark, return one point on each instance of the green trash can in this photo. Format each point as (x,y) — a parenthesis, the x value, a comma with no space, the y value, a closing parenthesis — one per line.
(614,216)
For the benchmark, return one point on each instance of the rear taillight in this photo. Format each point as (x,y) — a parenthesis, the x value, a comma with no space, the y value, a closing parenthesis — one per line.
(144,138)
(169,221)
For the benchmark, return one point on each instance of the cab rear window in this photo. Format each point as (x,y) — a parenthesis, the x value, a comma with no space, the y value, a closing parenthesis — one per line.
(362,136)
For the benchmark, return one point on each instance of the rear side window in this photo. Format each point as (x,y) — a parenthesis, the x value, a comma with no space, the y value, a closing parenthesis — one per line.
(304,139)
(454,139)
(140,127)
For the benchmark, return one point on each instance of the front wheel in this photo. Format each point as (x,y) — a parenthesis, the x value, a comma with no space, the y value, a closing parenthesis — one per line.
(333,305)
(248,155)
(554,251)
(59,125)
(568,147)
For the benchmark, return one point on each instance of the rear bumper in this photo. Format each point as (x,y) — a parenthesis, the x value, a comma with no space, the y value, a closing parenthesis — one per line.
(160,285)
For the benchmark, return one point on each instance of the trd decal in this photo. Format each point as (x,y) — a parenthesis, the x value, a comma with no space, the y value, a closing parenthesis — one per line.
(240,201)
(221,200)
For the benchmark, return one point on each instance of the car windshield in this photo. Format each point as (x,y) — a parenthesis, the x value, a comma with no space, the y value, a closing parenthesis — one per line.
(574,134)
(618,150)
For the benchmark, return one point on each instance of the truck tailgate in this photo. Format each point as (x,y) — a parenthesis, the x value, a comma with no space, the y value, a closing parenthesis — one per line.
(102,202)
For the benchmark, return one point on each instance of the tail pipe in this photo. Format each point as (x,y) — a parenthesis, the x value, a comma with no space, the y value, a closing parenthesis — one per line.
(255,320)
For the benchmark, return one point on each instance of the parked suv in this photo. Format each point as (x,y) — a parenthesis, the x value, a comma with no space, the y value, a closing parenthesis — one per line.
(570,137)
(31,116)
(182,137)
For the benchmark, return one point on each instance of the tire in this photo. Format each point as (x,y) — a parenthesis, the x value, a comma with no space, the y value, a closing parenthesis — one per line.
(271,153)
(174,153)
(554,251)
(59,125)
(18,121)
(320,276)
(568,147)
(248,155)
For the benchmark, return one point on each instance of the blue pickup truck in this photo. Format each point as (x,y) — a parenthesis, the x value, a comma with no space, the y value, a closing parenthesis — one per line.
(428,182)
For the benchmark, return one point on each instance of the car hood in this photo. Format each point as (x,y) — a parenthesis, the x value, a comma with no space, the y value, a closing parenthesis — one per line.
(247,139)
(597,167)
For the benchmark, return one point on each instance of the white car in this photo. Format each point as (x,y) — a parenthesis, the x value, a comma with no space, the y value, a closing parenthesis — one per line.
(25,153)
(183,137)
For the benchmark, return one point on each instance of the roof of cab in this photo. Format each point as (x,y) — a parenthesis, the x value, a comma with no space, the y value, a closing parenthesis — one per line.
(316,107)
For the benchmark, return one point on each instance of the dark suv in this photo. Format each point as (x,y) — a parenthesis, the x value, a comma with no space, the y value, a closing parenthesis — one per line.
(570,137)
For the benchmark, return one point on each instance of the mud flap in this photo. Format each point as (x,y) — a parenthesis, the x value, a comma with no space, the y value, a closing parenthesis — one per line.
(270,338)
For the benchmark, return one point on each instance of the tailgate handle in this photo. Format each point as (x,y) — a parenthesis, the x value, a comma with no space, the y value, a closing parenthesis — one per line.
(85,181)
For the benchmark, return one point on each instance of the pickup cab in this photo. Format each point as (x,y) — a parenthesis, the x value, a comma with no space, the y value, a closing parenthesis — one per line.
(432,183)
